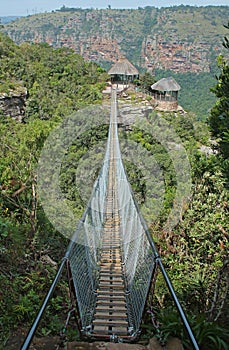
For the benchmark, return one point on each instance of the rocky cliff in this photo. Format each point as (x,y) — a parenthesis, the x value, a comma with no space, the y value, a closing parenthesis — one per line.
(13,104)
(179,38)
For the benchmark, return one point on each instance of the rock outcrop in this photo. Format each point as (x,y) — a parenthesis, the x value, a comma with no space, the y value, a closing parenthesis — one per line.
(13,104)
(51,343)
(128,113)
(168,38)
(172,344)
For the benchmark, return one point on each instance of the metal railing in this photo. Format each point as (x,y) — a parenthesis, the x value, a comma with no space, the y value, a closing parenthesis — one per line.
(140,255)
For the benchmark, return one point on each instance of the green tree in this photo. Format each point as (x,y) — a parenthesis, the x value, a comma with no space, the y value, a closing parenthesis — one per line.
(146,80)
(21,145)
(219,118)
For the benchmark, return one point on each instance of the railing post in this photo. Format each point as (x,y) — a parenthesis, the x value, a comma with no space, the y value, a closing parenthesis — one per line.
(178,306)
(33,328)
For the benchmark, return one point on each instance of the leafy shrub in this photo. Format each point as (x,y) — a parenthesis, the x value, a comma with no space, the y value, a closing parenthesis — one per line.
(209,335)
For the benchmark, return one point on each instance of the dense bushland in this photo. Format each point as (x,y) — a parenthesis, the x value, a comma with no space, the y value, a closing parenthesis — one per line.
(59,83)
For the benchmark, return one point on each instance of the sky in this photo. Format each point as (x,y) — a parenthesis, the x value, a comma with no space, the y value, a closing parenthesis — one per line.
(29,7)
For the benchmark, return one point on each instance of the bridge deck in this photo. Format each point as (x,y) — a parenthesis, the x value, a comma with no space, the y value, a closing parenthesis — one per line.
(110,317)
(111,313)
(117,240)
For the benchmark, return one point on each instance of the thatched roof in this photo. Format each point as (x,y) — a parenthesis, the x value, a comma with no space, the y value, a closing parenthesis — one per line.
(166,84)
(123,67)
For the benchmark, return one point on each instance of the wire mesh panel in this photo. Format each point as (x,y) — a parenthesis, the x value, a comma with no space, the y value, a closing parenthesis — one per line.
(112,256)
(84,251)
(135,249)
(138,254)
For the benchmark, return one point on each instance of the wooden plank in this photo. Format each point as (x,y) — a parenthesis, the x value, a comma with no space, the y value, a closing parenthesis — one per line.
(111,287)
(110,264)
(111,293)
(118,330)
(110,278)
(111,270)
(112,275)
(116,308)
(110,261)
(105,322)
(110,315)
(113,298)
(113,316)
(111,303)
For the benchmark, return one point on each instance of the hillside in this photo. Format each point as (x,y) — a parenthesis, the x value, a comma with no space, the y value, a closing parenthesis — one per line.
(51,82)
(57,83)
(7,19)
(50,85)
(179,38)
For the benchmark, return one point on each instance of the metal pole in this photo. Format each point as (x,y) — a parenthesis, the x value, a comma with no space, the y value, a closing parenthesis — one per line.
(33,328)
(158,259)
(178,306)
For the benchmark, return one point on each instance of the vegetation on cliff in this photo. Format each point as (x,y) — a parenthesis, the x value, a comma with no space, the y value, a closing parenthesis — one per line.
(219,118)
(57,80)
(60,82)
(178,39)
(134,29)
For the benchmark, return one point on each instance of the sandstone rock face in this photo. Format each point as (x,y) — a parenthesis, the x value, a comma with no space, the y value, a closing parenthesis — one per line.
(173,344)
(13,105)
(50,343)
(105,346)
(166,38)
(128,114)
(166,105)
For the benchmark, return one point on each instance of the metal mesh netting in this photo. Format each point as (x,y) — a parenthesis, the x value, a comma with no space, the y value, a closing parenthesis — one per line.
(112,256)
(137,253)
(85,247)
(84,251)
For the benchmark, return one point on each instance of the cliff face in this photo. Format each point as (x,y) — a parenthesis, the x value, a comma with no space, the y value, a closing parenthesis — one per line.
(176,56)
(13,105)
(180,38)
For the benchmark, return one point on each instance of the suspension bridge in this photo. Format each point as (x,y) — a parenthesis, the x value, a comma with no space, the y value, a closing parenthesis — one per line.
(111,259)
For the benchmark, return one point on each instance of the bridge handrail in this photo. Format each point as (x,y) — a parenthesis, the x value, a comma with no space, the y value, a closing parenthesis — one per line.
(166,277)
(156,257)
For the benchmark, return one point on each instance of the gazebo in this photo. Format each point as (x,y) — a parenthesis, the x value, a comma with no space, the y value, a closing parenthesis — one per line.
(165,92)
(123,72)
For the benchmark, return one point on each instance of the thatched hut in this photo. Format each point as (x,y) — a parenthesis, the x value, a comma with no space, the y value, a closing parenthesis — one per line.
(123,72)
(165,92)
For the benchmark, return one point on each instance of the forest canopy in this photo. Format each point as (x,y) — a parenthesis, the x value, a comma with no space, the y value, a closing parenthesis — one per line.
(57,83)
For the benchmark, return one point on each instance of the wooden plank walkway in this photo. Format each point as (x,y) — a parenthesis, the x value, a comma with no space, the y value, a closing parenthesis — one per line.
(110,313)
(110,317)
